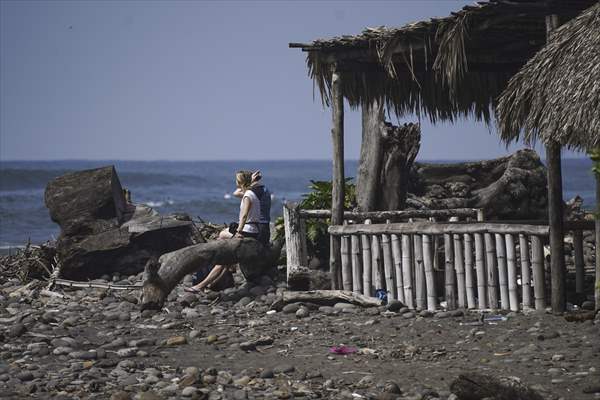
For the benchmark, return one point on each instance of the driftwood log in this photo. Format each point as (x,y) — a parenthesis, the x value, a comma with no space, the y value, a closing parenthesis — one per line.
(162,275)
(475,386)
(326,298)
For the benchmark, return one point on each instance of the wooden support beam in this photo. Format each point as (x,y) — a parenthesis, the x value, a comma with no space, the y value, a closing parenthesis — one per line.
(480,271)
(388,265)
(407,276)
(366,263)
(397,255)
(469,263)
(420,284)
(337,190)
(537,265)
(525,270)
(511,264)
(433,228)
(578,255)
(429,273)
(295,245)
(492,271)
(597,282)
(449,273)
(502,275)
(356,264)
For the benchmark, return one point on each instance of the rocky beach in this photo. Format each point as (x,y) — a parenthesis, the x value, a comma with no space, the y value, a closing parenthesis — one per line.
(80,343)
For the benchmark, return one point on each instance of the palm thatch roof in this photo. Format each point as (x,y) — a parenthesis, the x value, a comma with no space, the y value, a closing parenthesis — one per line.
(444,67)
(556,96)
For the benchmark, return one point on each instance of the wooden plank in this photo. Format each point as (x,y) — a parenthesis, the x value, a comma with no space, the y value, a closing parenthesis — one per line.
(511,266)
(578,255)
(356,264)
(469,270)
(296,257)
(366,258)
(502,274)
(459,263)
(397,255)
(337,189)
(433,228)
(525,271)
(429,273)
(449,272)
(420,285)
(392,215)
(407,275)
(537,264)
(388,267)
(480,270)
(491,271)
(346,266)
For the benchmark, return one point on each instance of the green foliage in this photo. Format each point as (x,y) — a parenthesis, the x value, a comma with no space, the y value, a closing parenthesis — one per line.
(319,198)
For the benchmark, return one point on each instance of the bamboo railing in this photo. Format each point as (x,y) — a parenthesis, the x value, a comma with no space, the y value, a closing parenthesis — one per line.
(486,265)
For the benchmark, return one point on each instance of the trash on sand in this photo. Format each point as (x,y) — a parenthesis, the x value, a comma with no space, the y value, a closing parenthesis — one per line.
(495,318)
(343,350)
(381,294)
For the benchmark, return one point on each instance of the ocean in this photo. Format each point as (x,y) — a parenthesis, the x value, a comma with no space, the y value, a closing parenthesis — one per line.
(198,188)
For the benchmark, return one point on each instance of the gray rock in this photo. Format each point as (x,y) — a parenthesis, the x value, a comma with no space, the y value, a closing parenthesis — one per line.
(291,308)
(25,376)
(443,314)
(284,369)
(302,312)
(267,374)
(426,314)
(17,330)
(248,346)
(588,305)
(408,315)
(189,391)
(394,305)
(343,306)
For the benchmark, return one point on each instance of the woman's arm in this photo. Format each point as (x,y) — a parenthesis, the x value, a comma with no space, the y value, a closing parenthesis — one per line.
(246,203)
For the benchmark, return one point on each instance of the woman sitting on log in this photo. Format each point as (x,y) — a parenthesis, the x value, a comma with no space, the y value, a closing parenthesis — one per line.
(249,224)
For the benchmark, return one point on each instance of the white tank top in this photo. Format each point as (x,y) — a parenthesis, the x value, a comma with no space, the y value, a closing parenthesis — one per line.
(253,213)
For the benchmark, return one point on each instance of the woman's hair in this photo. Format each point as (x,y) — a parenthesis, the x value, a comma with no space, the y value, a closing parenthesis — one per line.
(243,179)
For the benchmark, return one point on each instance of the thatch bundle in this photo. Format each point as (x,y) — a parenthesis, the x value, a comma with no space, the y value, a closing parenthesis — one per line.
(445,67)
(556,96)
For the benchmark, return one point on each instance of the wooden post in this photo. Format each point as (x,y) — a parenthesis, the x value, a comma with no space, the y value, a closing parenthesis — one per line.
(555,212)
(511,265)
(388,265)
(480,270)
(502,278)
(419,272)
(337,189)
(295,239)
(525,270)
(397,255)
(346,266)
(429,273)
(356,266)
(376,263)
(459,262)
(407,276)
(449,272)
(537,263)
(468,240)
(366,258)
(492,272)
(578,253)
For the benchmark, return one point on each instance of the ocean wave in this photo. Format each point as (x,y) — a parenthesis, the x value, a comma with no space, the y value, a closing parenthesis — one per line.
(17,179)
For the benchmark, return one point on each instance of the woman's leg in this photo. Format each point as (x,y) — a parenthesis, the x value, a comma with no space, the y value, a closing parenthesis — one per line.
(218,270)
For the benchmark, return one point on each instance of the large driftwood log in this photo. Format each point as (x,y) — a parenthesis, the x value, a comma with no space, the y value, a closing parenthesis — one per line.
(161,277)
(326,298)
(475,386)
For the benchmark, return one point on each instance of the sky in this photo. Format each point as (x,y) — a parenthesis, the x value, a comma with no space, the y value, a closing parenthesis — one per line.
(191,80)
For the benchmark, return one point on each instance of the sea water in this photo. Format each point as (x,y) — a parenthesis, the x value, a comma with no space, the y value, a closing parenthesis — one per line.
(199,188)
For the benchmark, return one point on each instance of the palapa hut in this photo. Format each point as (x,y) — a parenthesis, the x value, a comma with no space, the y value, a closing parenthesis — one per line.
(442,68)
(556,96)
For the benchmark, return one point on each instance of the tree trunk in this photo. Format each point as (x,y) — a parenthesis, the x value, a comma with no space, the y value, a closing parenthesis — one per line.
(371,151)
(163,275)
(386,156)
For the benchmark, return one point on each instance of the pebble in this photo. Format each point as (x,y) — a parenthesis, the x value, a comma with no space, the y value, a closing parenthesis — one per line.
(443,314)
(343,306)
(291,308)
(267,374)
(17,330)
(283,369)
(189,391)
(302,312)
(127,352)
(176,340)
(394,305)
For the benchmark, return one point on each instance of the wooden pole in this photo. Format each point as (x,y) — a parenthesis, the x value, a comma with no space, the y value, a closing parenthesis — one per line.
(502,276)
(388,266)
(429,273)
(346,266)
(480,270)
(376,262)
(525,270)
(469,263)
(449,272)
(407,276)
(537,263)
(366,258)
(419,272)
(511,265)
(397,254)
(459,262)
(555,212)
(492,271)
(356,264)
(296,257)
(337,189)
(578,255)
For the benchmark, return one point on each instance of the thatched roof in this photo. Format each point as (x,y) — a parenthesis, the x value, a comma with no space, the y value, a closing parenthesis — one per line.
(556,96)
(444,67)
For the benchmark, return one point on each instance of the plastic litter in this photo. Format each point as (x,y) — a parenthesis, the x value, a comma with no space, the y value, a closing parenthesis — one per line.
(381,294)
(343,350)
(495,318)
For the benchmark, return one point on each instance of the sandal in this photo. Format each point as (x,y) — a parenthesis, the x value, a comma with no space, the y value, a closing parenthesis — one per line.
(192,290)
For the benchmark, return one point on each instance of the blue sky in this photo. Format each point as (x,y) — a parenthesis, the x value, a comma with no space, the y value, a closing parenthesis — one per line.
(189,80)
